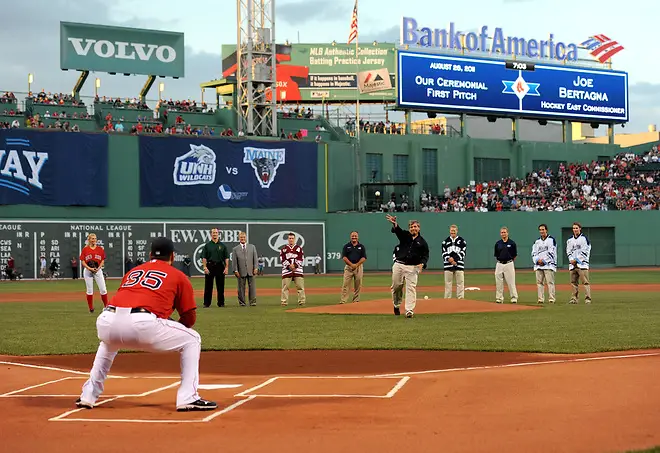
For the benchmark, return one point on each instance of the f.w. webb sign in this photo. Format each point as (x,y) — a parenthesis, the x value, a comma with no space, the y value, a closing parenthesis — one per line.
(121,50)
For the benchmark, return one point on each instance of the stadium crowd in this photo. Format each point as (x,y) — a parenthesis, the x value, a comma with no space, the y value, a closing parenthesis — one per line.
(627,182)
(55,99)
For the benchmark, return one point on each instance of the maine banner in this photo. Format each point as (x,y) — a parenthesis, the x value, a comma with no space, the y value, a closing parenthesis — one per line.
(53,168)
(236,173)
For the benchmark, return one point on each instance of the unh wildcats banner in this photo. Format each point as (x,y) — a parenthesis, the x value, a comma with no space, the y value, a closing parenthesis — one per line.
(214,173)
(51,168)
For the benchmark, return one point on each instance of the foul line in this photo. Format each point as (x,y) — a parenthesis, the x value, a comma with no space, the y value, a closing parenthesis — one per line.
(512,365)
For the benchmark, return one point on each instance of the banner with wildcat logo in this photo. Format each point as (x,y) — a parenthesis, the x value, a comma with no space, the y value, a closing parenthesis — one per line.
(222,172)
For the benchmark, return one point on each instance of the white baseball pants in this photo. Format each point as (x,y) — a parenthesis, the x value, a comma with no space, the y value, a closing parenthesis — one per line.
(97,277)
(401,272)
(145,332)
(505,272)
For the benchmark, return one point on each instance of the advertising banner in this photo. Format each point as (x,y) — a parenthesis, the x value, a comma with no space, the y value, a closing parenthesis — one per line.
(28,240)
(121,50)
(316,72)
(195,171)
(480,86)
(375,80)
(53,168)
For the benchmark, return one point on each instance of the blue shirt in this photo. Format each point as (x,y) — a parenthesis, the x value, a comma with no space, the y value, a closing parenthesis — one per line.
(505,251)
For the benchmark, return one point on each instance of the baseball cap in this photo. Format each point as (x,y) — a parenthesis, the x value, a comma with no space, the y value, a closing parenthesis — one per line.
(162,247)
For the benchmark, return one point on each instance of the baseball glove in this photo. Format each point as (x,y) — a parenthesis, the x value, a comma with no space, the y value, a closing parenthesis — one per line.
(92,264)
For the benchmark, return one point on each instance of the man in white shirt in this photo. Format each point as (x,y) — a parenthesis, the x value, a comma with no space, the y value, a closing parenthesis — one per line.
(544,257)
(578,249)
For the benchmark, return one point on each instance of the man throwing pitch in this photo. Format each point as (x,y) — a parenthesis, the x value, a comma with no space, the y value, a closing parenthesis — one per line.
(138,318)
(411,257)
(544,257)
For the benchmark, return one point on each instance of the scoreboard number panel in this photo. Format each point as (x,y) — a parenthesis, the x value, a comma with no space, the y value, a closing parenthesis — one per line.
(27,241)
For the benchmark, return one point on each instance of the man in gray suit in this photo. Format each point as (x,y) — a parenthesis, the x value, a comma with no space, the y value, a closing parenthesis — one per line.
(244,265)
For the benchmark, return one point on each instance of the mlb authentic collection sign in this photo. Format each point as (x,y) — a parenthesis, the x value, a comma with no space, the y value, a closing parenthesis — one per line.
(121,50)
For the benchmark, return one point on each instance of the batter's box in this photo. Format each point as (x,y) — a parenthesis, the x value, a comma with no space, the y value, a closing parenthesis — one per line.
(71,387)
(328,387)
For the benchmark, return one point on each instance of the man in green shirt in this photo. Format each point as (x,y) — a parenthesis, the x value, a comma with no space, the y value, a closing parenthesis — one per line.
(215,262)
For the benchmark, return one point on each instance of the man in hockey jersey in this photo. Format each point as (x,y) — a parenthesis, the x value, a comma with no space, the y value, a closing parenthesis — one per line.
(544,257)
(453,255)
(578,250)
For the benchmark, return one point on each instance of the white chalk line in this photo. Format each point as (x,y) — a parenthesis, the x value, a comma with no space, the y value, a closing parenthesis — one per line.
(64,417)
(51,368)
(513,365)
(8,394)
(228,408)
(256,387)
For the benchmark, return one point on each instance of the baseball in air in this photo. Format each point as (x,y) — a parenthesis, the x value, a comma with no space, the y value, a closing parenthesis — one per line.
(377,193)
(426,297)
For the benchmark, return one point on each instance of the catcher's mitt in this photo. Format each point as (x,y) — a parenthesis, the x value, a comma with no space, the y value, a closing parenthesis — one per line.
(92,264)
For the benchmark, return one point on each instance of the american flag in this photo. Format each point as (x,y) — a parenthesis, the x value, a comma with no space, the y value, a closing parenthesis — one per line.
(352,36)
(602,48)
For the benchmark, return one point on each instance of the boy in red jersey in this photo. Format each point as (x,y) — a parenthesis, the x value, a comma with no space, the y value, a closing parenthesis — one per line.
(292,257)
(138,318)
(92,258)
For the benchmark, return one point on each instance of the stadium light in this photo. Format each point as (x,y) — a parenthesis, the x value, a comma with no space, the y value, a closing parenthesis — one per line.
(30,80)
(97,85)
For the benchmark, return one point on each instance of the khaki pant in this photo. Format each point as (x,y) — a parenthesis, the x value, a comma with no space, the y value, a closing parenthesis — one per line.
(404,275)
(545,277)
(300,286)
(460,284)
(576,276)
(505,272)
(356,276)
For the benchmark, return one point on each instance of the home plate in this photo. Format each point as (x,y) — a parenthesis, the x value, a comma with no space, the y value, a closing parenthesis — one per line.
(218,386)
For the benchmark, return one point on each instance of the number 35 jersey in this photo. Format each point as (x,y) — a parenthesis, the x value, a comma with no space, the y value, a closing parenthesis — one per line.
(158,287)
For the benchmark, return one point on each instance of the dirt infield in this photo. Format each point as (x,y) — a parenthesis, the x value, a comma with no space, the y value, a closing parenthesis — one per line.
(329,401)
(67,296)
(430,306)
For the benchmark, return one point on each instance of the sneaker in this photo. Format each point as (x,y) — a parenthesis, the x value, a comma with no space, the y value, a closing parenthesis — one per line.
(83,405)
(199,405)
(284,304)
(301,304)
(397,311)
(409,314)
(91,310)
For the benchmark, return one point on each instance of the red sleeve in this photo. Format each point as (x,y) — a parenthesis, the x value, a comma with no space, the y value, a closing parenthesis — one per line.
(185,299)
(82,254)
(103,253)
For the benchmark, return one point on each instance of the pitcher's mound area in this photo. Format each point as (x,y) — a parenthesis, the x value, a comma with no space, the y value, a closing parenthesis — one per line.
(424,306)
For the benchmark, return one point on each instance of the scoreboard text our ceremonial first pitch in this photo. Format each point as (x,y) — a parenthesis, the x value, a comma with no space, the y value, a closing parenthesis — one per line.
(456,84)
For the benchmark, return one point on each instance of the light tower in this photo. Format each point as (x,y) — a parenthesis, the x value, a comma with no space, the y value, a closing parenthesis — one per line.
(255,74)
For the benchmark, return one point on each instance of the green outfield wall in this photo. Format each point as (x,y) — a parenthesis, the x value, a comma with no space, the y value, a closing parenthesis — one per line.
(618,238)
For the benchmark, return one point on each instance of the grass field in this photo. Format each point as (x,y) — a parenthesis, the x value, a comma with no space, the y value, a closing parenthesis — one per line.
(616,320)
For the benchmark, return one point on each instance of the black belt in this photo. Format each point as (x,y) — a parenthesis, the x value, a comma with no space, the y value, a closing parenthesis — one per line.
(505,262)
(133,310)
